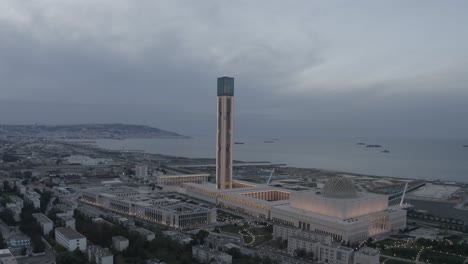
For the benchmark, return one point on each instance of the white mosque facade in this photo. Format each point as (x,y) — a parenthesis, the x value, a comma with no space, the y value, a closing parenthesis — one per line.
(337,210)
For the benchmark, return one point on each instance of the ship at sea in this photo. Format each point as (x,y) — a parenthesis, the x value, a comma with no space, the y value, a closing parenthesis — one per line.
(373,146)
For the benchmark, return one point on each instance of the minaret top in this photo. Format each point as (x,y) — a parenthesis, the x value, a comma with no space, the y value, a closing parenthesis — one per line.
(225,86)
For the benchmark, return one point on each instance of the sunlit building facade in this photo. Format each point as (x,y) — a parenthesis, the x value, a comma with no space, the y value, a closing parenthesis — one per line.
(154,208)
(224,133)
(341,212)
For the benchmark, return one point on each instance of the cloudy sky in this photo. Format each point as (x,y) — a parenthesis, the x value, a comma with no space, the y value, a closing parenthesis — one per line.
(338,68)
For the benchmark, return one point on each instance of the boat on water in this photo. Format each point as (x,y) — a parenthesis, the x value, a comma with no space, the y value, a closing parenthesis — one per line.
(385,151)
(465,146)
(239,143)
(269,141)
(373,146)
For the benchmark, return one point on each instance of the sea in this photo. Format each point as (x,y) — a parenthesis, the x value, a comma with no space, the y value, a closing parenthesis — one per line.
(430,159)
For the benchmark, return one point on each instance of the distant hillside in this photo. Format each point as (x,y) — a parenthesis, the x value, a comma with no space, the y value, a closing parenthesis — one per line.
(87,131)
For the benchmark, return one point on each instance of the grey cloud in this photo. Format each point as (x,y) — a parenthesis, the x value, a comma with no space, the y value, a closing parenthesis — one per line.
(297,69)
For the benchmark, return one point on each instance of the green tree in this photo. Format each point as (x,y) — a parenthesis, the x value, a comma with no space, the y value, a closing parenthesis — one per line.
(2,242)
(300,252)
(8,217)
(38,244)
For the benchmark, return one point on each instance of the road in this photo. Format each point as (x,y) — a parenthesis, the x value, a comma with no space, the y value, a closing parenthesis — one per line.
(47,258)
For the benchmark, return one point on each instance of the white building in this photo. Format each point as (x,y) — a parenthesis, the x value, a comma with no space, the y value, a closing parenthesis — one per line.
(6,257)
(340,211)
(334,254)
(21,189)
(367,255)
(70,239)
(120,243)
(178,180)
(18,201)
(65,209)
(150,207)
(224,133)
(99,255)
(206,255)
(141,171)
(46,224)
(33,198)
(66,220)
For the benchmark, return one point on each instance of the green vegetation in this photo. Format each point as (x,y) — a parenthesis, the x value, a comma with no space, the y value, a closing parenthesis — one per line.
(29,226)
(2,242)
(440,258)
(225,215)
(76,257)
(444,246)
(7,217)
(393,261)
(140,250)
(234,228)
(262,235)
(239,258)
(279,243)
(406,253)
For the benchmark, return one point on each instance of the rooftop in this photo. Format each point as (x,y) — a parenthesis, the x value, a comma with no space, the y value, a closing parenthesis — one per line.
(339,187)
(102,252)
(65,217)
(69,233)
(41,218)
(119,238)
(143,231)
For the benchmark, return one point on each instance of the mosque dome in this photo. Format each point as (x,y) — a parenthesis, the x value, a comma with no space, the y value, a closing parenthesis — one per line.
(339,187)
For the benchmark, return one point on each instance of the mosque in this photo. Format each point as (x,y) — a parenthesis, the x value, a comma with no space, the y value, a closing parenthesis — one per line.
(338,209)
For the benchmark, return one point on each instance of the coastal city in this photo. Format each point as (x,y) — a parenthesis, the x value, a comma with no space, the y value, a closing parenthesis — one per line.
(65,200)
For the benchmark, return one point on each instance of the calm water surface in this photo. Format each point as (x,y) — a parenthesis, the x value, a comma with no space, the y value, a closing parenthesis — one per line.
(422,159)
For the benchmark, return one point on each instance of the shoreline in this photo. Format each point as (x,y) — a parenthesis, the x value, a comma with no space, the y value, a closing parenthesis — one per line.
(188,162)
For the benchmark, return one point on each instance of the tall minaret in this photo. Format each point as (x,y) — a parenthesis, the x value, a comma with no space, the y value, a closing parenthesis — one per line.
(224,135)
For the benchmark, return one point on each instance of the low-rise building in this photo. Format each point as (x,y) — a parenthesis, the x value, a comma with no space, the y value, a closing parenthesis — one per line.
(222,241)
(120,243)
(148,235)
(156,208)
(367,255)
(18,240)
(334,254)
(99,255)
(179,180)
(66,220)
(207,255)
(16,200)
(46,224)
(21,189)
(16,211)
(285,232)
(65,209)
(70,239)
(300,243)
(6,257)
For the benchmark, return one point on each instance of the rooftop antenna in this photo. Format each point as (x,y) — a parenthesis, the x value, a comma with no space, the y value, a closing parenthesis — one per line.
(404,193)
(271,175)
